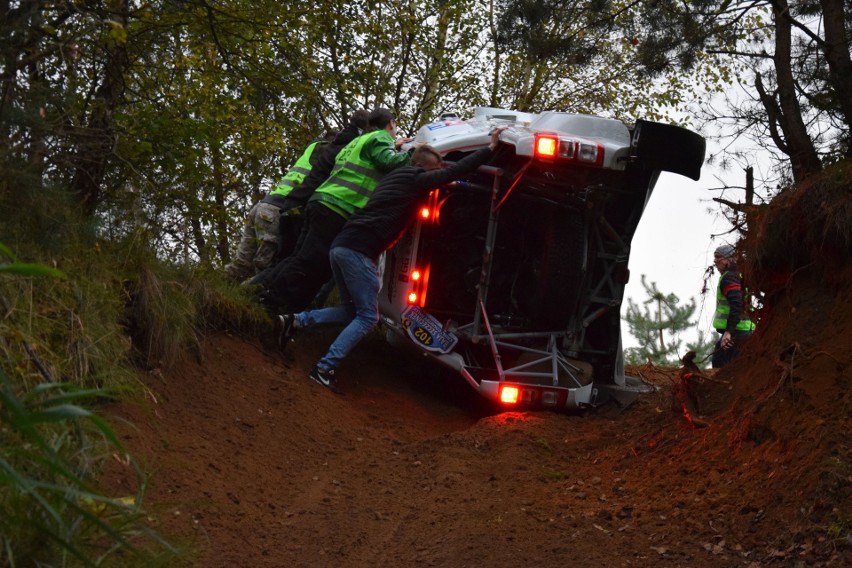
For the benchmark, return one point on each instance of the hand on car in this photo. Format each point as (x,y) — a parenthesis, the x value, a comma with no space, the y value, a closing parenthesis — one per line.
(495,137)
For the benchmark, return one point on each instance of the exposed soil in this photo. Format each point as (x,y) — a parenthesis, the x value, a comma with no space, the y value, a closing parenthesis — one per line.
(252,464)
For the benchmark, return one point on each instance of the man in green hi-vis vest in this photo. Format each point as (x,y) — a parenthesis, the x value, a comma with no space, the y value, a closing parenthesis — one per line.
(260,243)
(729,320)
(359,166)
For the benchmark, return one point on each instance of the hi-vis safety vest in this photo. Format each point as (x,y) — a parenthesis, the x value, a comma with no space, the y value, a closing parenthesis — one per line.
(723,309)
(297,174)
(353,178)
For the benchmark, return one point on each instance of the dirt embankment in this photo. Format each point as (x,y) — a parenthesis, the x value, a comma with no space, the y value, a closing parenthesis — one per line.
(254,465)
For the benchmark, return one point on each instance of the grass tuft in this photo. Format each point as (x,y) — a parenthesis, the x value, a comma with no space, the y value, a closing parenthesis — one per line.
(79,314)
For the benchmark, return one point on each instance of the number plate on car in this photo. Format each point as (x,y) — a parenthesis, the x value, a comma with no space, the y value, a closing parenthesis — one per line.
(426,331)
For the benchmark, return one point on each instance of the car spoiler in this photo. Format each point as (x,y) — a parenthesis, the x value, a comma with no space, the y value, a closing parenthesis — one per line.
(669,148)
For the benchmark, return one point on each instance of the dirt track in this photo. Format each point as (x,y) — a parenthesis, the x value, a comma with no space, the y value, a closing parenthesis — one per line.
(255,465)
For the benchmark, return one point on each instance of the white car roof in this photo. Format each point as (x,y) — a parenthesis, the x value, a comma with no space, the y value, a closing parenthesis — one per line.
(453,135)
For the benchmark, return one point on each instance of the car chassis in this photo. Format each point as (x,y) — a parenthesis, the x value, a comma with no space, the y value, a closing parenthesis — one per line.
(542,261)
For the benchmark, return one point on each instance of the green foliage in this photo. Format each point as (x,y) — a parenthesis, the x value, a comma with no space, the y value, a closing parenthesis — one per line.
(798,106)
(10,265)
(585,57)
(51,512)
(168,308)
(657,326)
(66,344)
(170,119)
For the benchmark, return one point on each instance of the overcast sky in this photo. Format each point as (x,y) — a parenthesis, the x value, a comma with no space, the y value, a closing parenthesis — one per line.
(673,245)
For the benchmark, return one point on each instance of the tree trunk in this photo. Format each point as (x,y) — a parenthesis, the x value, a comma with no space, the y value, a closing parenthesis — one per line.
(198,239)
(98,138)
(219,216)
(803,156)
(435,65)
(837,56)
(495,76)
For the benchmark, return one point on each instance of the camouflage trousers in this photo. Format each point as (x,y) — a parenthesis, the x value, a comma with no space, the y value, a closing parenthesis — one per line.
(258,243)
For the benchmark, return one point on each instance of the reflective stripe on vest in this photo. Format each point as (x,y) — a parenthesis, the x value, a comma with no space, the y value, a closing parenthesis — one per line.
(353,178)
(297,174)
(723,309)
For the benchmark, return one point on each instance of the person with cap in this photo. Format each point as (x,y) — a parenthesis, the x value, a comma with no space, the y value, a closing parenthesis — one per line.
(370,231)
(729,319)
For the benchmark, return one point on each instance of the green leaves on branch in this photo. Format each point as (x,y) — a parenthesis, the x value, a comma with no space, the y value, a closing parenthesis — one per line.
(169,119)
(658,325)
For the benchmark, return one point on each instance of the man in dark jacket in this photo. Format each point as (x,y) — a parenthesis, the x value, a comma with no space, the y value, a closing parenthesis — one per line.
(367,234)
(729,320)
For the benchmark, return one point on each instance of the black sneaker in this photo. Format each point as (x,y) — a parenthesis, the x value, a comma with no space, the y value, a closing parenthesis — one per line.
(326,379)
(286,329)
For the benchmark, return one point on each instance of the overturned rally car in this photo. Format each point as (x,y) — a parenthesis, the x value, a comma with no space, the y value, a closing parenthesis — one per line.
(514,276)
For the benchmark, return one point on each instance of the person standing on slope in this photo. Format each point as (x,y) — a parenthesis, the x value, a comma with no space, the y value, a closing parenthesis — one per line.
(729,319)
(261,241)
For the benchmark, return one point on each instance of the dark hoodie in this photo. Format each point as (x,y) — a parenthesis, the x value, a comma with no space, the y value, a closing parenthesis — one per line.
(393,205)
(731,286)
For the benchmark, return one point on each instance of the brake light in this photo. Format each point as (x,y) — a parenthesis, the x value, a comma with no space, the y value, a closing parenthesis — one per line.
(419,280)
(424,286)
(550,146)
(431,210)
(545,146)
(509,395)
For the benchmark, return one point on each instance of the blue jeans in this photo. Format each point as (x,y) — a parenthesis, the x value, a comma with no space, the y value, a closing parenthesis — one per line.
(357,279)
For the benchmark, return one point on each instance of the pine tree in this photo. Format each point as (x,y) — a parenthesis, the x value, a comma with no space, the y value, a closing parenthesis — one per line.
(657,326)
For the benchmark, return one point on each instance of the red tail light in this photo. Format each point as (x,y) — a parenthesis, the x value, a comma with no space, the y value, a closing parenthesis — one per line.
(546,145)
(432,209)
(551,146)
(419,280)
(509,395)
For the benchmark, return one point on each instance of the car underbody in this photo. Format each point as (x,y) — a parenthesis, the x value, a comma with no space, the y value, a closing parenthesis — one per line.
(514,276)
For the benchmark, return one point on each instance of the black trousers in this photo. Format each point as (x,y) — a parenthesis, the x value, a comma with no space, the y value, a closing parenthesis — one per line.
(289,231)
(292,284)
(722,357)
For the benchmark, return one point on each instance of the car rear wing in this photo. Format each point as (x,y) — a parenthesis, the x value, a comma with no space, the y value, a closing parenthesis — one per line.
(668,148)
